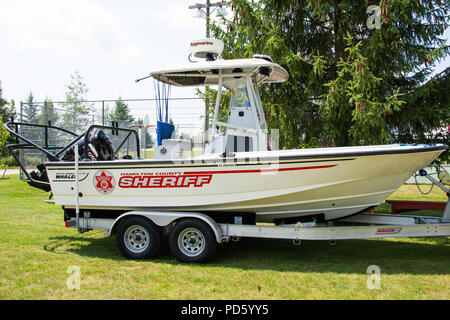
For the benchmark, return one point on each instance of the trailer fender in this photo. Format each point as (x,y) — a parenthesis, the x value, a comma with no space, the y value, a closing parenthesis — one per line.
(162,219)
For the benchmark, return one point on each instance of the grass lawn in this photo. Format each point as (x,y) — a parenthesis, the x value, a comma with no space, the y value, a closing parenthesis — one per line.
(36,251)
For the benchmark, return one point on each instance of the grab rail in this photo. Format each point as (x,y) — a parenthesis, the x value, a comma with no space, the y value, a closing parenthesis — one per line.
(25,143)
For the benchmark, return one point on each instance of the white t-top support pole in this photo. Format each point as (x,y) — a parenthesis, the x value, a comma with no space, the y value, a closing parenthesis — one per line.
(77,195)
(216,109)
(254,113)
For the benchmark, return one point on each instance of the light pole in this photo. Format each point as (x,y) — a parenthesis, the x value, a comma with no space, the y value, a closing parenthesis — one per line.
(207,12)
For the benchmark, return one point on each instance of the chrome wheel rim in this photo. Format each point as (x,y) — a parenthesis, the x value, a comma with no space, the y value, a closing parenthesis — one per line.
(191,242)
(136,239)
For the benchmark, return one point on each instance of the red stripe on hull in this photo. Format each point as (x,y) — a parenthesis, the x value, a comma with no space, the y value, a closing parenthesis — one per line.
(261,170)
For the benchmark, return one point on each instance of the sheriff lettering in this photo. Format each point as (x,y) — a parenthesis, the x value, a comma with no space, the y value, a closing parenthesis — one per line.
(181,181)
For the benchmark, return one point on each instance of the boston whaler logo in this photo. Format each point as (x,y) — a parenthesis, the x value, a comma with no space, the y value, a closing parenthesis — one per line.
(65,176)
(104,181)
(68,176)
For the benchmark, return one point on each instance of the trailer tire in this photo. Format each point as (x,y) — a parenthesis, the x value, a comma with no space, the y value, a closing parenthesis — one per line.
(138,238)
(192,241)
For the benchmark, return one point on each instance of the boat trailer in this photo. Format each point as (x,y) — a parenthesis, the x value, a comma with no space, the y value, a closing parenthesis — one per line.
(193,235)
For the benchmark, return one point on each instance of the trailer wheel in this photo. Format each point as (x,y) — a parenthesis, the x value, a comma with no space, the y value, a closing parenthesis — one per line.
(138,238)
(192,241)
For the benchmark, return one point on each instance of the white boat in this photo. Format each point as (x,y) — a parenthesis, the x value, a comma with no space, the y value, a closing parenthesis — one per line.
(239,174)
(323,184)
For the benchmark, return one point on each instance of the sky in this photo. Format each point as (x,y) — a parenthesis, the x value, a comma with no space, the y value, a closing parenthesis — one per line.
(109,42)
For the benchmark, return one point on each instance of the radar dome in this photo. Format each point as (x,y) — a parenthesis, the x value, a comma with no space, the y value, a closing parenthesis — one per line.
(208,49)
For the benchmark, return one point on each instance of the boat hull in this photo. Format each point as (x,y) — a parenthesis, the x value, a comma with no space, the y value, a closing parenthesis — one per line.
(333,183)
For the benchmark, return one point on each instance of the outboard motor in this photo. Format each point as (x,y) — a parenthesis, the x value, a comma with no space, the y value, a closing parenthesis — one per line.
(99,148)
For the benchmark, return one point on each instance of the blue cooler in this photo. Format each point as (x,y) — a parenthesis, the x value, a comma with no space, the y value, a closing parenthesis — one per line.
(164,131)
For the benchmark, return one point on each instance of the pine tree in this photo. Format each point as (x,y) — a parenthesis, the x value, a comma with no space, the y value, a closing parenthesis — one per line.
(308,38)
(31,110)
(429,108)
(122,112)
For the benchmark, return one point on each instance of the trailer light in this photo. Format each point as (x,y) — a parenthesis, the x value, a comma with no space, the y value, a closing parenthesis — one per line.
(66,224)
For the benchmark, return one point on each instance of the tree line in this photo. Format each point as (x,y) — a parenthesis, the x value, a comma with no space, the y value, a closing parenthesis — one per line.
(75,114)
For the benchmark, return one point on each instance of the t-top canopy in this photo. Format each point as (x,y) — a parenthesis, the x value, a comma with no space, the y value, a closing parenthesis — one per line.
(207,72)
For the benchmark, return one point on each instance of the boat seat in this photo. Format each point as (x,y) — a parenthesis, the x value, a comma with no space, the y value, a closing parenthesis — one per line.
(239,144)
